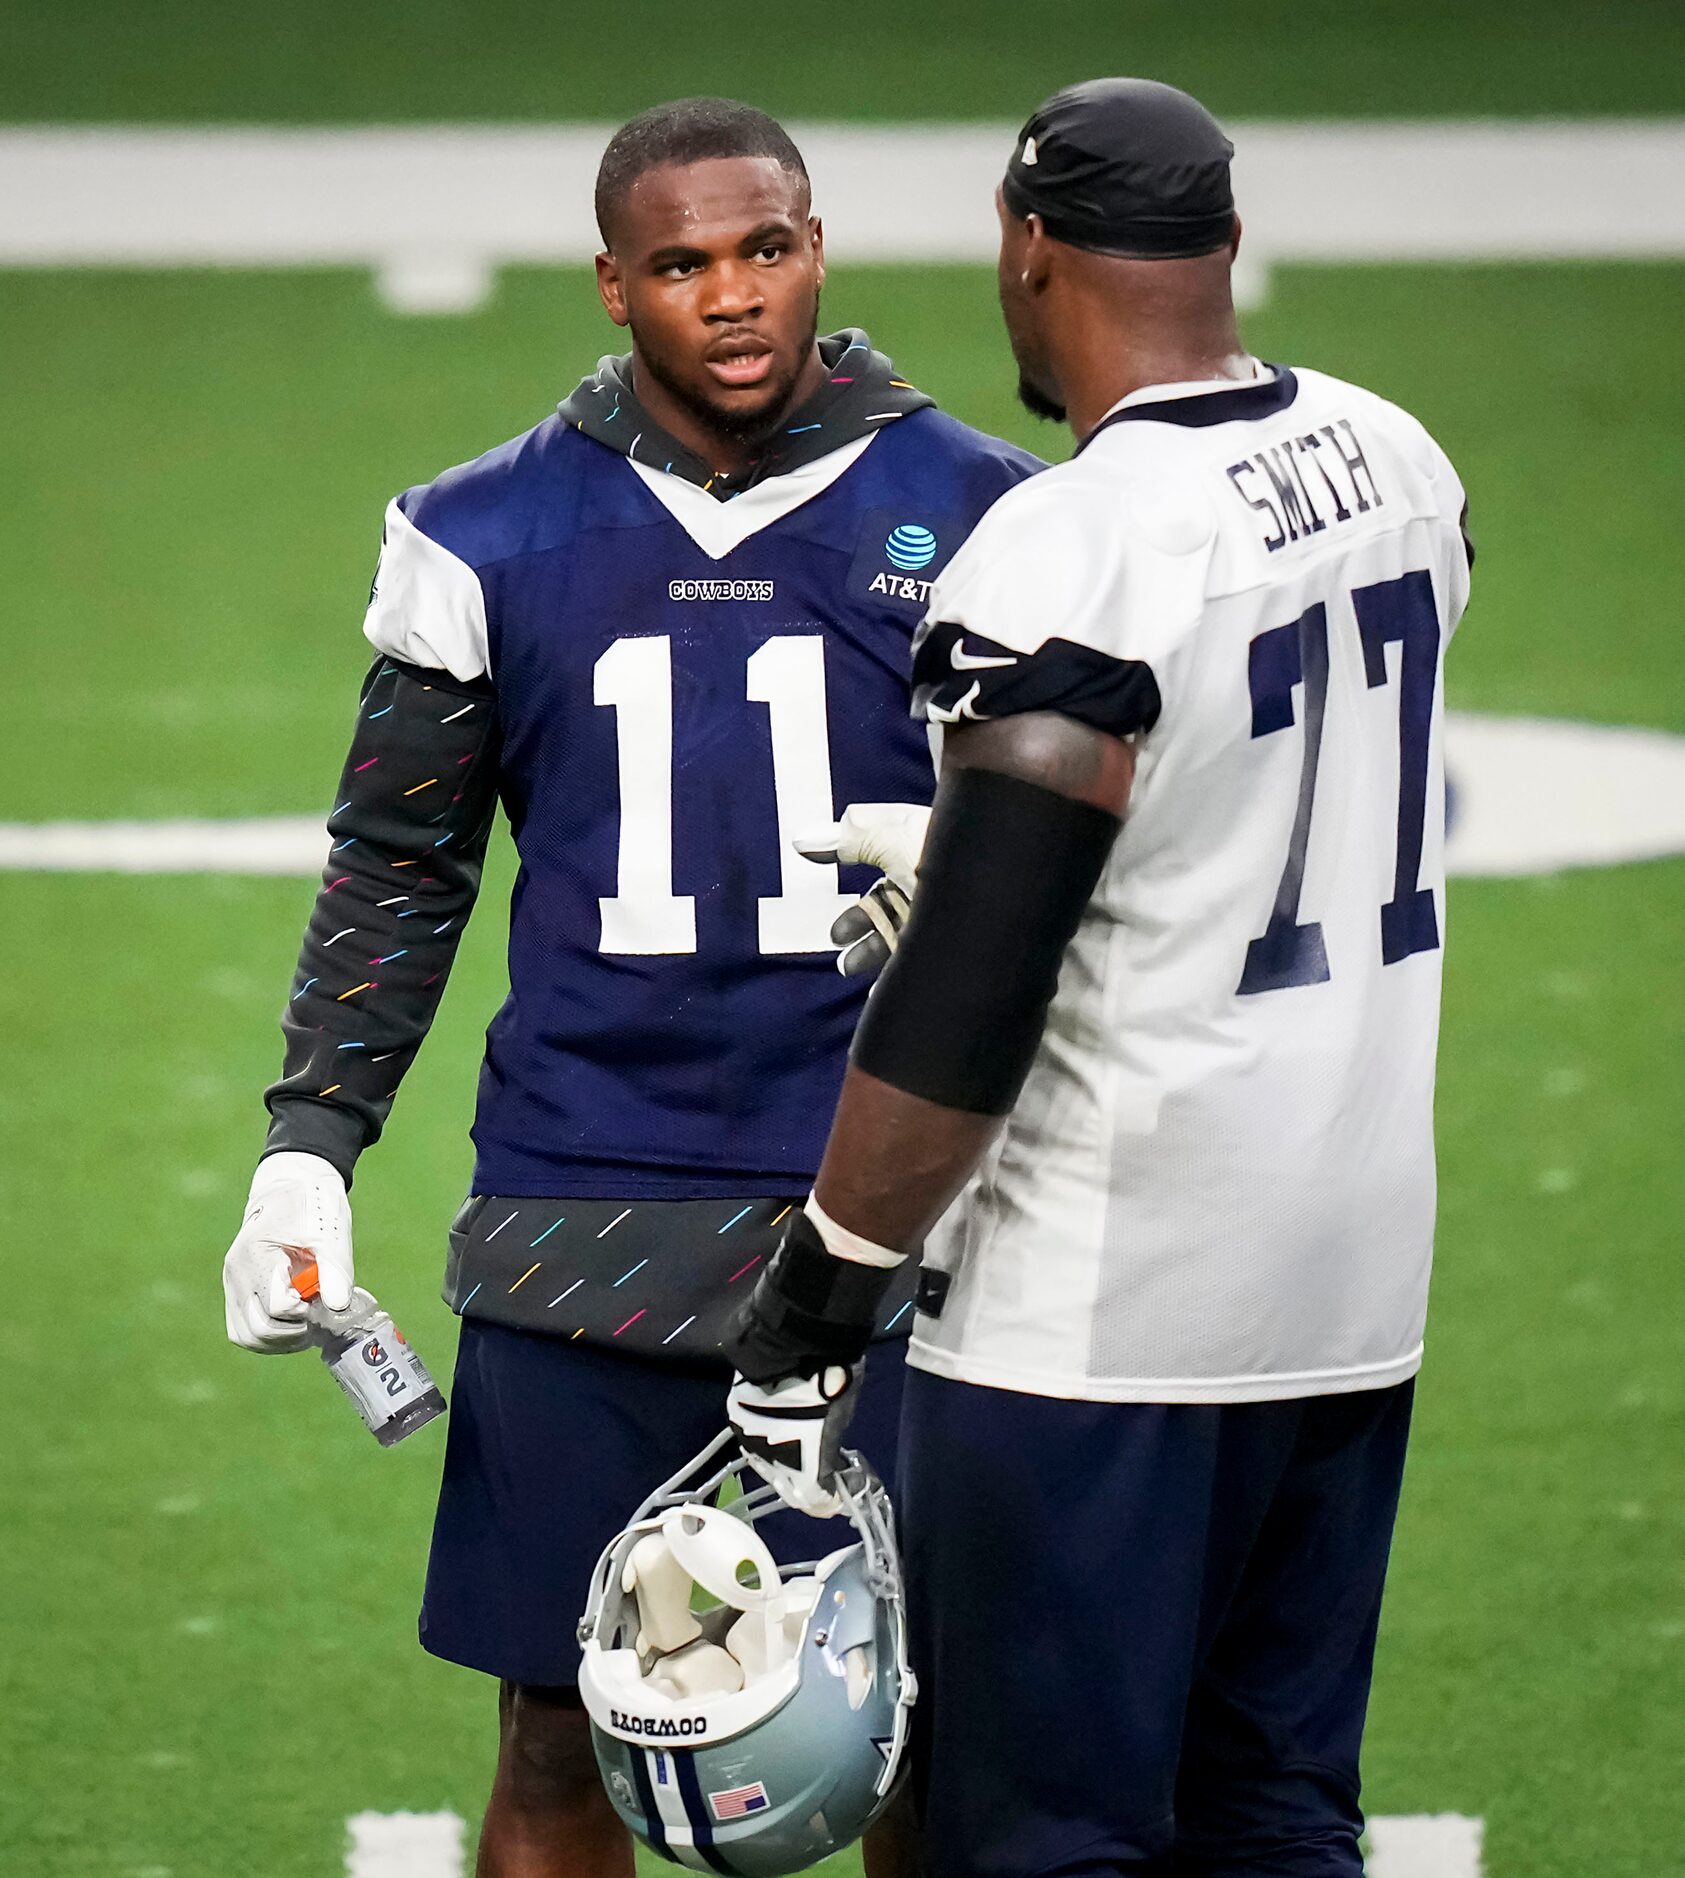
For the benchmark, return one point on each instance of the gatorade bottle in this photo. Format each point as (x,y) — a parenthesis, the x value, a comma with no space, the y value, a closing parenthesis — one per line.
(387,1382)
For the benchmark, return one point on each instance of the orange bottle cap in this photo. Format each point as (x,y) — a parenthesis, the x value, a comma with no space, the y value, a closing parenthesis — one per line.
(307,1282)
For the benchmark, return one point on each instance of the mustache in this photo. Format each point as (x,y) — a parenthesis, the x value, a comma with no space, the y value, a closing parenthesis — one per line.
(737,426)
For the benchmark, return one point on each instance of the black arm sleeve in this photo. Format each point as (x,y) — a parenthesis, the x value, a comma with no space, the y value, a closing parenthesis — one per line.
(409,837)
(1008,869)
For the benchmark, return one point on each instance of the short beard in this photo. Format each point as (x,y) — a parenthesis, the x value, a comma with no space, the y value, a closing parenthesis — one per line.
(740,427)
(1038,403)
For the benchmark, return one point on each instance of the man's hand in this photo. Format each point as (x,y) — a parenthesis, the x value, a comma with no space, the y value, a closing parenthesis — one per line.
(798,1343)
(297,1212)
(885,835)
(792,1432)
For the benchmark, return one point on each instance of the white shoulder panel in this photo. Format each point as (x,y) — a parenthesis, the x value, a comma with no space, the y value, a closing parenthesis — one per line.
(428,608)
(1074,554)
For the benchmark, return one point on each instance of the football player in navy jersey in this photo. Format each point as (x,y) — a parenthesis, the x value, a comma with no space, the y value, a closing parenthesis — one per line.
(668,629)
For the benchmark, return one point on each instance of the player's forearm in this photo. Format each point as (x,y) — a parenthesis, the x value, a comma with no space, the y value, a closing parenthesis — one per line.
(408,834)
(1024,819)
(1023,823)
(895,1162)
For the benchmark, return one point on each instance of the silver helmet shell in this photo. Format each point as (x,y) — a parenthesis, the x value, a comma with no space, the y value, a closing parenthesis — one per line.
(795,1764)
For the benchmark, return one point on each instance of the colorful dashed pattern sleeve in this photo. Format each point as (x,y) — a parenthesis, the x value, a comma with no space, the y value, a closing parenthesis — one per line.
(409,837)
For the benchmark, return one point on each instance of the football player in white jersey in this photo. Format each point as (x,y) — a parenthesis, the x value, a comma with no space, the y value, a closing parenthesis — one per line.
(1163,1018)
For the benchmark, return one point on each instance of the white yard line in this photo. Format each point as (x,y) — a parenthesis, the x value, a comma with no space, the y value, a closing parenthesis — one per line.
(1426,1845)
(430,1845)
(1530,795)
(436,210)
(270,844)
(404,1845)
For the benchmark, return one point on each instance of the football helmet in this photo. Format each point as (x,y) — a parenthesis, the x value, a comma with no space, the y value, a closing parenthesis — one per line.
(760,1726)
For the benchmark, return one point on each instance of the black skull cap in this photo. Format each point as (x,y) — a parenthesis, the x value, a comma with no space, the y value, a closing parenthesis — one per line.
(1125,166)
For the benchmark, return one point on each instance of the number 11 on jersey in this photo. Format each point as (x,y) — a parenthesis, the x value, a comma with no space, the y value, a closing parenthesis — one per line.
(645,915)
(787,675)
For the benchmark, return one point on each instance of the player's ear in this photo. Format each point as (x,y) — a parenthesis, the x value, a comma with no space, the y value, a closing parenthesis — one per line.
(611,288)
(1038,254)
(1234,239)
(816,236)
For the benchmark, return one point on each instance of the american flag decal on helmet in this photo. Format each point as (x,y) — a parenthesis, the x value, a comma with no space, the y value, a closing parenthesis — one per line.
(735,1802)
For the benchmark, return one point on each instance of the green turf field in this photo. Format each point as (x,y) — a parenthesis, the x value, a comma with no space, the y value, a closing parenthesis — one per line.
(206,1607)
(209,1575)
(316,61)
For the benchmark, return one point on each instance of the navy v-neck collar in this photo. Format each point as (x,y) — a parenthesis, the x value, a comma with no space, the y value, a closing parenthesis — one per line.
(1244,404)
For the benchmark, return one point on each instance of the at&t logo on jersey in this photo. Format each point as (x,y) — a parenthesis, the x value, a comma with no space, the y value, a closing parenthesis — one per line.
(910,547)
(898,559)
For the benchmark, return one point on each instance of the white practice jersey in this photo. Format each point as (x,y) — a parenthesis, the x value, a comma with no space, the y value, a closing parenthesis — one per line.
(1218,1183)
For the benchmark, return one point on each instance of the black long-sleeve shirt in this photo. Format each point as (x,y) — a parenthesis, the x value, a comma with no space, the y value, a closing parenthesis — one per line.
(409,832)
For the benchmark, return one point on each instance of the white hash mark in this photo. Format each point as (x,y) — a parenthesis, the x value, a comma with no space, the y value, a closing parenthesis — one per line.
(1426,1845)
(403,1845)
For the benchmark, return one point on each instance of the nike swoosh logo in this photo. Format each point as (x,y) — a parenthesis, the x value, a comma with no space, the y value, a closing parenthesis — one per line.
(963,661)
(952,713)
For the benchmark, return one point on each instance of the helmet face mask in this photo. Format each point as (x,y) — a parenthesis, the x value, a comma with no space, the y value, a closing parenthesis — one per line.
(767,1732)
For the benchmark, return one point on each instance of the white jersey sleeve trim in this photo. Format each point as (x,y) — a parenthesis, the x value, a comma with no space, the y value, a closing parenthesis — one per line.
(428,607)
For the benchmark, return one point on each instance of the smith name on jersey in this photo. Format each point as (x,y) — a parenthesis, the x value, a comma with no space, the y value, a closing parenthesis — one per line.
(1218,1184)
(679,685)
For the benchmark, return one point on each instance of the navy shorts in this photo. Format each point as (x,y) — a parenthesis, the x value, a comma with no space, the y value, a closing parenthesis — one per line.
(1143,1633)
(551,1448)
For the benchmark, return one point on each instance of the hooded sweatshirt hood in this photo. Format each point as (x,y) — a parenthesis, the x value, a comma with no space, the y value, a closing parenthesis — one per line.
(861,394)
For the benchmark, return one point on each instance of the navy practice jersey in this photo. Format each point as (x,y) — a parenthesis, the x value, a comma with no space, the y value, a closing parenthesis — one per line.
(681,687)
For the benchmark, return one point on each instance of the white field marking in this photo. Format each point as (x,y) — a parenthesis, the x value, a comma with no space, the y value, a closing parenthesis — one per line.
(430,1845)
(436,210)
(271,844)
(1426,1845)
(1530,795)
(1534,794)
(404,1845)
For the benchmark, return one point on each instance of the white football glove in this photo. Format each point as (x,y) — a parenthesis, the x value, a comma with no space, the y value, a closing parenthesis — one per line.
(297,1211)
(792,1431)
(885,835)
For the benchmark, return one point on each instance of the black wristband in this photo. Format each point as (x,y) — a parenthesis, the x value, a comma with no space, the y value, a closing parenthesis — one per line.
(810,1309)
(1008,868)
